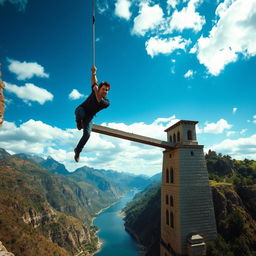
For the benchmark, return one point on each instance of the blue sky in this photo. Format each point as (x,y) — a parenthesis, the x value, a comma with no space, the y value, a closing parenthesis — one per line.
(166,60)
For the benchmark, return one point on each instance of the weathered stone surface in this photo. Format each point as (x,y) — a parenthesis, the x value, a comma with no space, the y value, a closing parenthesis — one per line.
(4,252)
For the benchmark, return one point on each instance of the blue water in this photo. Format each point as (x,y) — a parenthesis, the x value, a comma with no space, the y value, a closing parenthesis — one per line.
(116,241)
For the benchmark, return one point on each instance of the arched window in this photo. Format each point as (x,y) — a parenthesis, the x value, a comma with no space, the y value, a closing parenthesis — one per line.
(172,175)
(174,138)
(171,201)
(189,133)
(167,217)
(171,138)
(171,220)
(178,136)
(166,199)
(167,176)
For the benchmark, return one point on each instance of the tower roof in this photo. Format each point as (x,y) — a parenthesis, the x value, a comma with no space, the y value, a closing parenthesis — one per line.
(179,123)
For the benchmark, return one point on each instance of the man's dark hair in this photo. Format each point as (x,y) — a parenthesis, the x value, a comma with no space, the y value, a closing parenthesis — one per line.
(104,83)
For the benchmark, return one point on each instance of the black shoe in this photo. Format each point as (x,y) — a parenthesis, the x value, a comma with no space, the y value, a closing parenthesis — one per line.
(76,157)
(79,125)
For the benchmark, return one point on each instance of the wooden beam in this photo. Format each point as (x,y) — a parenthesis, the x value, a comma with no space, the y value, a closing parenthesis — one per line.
(131,136)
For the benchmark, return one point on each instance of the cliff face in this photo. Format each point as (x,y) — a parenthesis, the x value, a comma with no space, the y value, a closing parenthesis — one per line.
(46,210)
(142,219)
(234,213)
(3,251)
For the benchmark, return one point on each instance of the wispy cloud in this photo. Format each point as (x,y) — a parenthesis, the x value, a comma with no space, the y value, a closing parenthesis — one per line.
(75,95)
(20,3)
(254,119)
(189,74)
(30,92)
(102,6)
(26,70)
(234,110)
(156,45)
(122,9)
(149,18)
(233,35)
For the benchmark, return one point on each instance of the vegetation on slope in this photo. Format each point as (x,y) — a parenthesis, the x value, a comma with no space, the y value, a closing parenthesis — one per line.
(234,196)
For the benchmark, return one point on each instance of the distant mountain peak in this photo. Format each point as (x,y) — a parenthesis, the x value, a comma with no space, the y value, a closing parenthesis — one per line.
(4,154)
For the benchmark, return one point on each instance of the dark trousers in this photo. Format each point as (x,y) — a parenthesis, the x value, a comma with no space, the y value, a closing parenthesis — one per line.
(87,127)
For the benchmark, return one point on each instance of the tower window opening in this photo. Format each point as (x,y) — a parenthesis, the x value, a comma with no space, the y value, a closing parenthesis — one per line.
(167,176)
(166,199)
(171,220)
(171,200)
(189,134)
(170,138)
(178,136)
(172,175)
(167,218)
(174,138)
(192,153)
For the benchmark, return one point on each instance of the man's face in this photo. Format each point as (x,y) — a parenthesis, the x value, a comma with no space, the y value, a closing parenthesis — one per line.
(104,91)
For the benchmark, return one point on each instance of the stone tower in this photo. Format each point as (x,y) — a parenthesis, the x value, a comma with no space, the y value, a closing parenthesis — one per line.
(187,214)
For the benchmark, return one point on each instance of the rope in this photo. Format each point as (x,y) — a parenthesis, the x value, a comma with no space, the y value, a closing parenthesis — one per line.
(93,34)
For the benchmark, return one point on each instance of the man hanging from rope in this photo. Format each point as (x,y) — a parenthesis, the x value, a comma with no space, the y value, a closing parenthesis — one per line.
(85,112)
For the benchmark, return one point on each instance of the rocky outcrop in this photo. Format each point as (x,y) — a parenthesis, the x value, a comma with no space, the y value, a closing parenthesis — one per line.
(66,231)
(225,200)
(45,216)
(3,251)
(248,195)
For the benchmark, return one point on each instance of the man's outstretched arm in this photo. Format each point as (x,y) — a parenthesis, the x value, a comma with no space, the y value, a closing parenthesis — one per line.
(95,84)
(94,77)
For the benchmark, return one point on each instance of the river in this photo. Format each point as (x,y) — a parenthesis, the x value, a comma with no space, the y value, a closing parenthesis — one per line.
(116,241)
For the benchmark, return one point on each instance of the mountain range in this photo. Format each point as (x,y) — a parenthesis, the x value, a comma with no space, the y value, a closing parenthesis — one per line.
(46,210)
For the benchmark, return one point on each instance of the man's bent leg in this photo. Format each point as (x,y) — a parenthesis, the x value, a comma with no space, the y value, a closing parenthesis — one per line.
(87,123)
(80,114)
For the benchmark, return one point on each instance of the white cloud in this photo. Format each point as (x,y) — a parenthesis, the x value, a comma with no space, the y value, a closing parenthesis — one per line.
(172,3)
(155,45)
(230,133)
(122,9)
(233,34)
(149,18)
(75,95)
(217,127)
(234,110)
(30,92)
(102,6)
(26,70)
(100,152)
(243,131)
(187,18)
(189,74)
(239,149)
(193,49)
